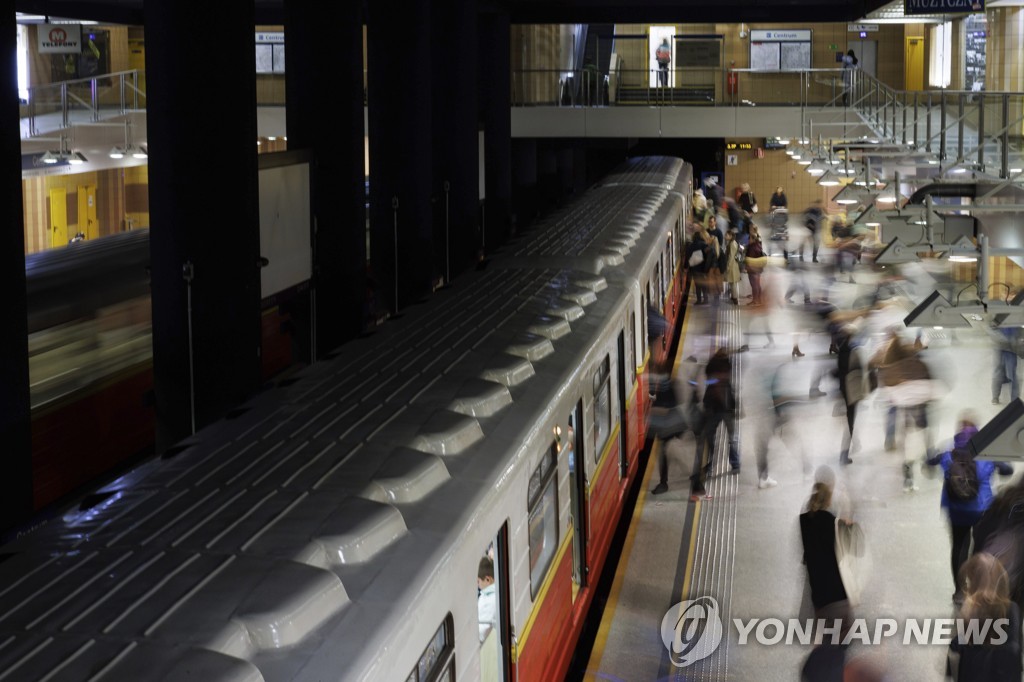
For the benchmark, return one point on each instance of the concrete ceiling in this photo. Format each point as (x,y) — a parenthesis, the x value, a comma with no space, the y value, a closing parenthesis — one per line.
(526,11)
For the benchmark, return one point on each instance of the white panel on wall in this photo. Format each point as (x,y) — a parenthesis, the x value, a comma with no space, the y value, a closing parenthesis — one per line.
(285,227)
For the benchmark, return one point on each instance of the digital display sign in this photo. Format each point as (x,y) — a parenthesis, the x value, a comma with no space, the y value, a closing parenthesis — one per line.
(732,146)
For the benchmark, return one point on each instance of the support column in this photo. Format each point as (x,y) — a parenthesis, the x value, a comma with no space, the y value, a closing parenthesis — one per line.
(456,137)
(525,196)
(204,212)
(400,86)
(495,88)
(335,136)
(1003,71)
(15,405)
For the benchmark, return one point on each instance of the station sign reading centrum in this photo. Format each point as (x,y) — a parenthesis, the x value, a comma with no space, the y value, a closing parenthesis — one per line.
(942,6)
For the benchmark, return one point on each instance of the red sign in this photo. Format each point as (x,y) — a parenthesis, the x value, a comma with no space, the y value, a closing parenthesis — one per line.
(58,35)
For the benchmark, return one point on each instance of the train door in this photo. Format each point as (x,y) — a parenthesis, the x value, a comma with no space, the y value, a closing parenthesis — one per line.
(87,224)
(493,612)
(58,217)
(572,445)
(623,450)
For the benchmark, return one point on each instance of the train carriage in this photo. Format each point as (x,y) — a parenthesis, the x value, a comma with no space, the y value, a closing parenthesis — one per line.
(332,528)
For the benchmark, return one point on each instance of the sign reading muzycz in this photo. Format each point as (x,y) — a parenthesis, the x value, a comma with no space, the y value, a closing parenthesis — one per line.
(942,6)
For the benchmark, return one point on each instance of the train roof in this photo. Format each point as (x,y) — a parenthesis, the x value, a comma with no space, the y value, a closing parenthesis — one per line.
(282,533)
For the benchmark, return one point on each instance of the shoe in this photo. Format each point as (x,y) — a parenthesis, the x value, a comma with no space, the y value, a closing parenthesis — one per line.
(697,497)
(833,349)
(845,458)
(767,482)
(816,393)
(660,488)
(796,352)
(734,301)
(995,401)
(814,260)
(735,470)
(958,598)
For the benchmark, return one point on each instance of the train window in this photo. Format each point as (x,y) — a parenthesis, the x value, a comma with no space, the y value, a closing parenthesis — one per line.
(671,253)
(543,507)
(437,663)
(631,345)
(602,406)
(643,327)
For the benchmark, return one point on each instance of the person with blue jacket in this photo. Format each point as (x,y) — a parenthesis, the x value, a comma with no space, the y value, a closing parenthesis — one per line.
(964,513)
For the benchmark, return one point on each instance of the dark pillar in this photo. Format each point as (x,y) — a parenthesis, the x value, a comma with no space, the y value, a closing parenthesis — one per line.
(524,197)
(15,407)
(401,150)
(334,134)
(456,136)
(495,84)
(204,211)
(579,181)
(566,164)
(547,176)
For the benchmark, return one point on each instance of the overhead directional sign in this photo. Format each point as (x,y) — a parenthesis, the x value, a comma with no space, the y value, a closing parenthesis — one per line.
(943,6)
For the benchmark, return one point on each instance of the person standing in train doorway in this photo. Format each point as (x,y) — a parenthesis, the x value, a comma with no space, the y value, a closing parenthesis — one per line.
(663,55)
(849,65)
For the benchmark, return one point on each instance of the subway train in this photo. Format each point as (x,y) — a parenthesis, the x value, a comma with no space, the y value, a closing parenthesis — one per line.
(343,524)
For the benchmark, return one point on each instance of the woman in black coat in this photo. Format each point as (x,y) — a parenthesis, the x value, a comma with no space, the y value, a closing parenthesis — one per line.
(818,533)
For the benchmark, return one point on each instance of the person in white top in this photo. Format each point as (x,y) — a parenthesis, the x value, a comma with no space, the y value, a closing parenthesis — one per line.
(486,601)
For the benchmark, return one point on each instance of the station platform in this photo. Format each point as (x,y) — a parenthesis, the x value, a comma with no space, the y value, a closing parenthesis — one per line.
(742,546)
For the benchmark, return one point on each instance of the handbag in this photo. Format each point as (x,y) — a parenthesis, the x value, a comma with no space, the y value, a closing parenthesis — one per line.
(852,558)
(696,258)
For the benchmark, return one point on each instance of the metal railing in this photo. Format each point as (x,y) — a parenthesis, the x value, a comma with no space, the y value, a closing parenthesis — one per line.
(85,99)
(964,129)
(705,86)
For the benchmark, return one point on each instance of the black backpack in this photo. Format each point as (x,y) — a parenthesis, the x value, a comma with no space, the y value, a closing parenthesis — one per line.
(962,480)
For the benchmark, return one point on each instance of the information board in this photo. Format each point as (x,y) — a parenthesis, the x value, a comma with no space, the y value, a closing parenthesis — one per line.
(796,56)
(765,56)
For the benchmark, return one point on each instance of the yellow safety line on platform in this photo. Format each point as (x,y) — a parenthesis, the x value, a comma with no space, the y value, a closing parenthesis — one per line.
(601,640)
(597,653)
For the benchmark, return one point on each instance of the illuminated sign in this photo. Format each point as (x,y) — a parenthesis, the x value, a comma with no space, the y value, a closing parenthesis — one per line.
(731,146)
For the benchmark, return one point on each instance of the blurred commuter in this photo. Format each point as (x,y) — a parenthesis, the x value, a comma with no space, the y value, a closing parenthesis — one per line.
(700,205)
(906,380)
(747,204)
(1008,343)
(818,534)
(731,275)
(778,199)
(966,492)
(713,193)
(1000,532)
(987,598)
(697,264)
(813,217)
(663,55)
(849,66)
(852,385)
(715,261)
(719,408)
(674,413)
(756,260)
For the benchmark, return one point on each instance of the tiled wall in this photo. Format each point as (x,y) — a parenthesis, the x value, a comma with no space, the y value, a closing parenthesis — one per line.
(775,169)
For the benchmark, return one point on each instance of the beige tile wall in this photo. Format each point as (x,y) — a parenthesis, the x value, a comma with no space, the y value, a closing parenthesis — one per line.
(775,169)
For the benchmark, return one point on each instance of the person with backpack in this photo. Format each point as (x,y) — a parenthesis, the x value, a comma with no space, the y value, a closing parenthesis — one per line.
(966,492)
(663,55)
